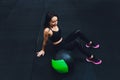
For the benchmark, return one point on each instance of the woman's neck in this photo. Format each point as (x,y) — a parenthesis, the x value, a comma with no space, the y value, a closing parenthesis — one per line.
(55,28)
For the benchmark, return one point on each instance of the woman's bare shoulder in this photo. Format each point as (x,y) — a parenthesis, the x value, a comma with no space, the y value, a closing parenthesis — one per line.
(46,30)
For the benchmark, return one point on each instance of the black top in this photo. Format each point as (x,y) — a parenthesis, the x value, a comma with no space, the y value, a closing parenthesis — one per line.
(56,35)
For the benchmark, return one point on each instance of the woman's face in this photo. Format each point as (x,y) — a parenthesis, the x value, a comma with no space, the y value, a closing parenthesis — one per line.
(53,21)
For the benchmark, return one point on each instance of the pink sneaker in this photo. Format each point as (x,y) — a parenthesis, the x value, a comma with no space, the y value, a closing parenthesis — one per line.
(94,61)
(88,45)
(96,46)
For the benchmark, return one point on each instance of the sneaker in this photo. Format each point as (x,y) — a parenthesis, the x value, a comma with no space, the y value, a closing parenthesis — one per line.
(88,45)
(94,61)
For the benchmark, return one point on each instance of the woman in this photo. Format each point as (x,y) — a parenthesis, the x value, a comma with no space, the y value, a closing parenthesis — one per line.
(53,32)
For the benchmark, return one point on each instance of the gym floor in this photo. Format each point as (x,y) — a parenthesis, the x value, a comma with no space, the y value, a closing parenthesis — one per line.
(21,25)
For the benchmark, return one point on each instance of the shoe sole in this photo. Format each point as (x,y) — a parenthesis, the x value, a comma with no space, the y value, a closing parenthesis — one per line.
(94,62)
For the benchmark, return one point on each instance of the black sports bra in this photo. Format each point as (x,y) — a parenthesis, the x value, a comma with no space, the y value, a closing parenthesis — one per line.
(56,35)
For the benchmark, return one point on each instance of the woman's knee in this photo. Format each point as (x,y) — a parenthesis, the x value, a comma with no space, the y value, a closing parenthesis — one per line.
(77,31)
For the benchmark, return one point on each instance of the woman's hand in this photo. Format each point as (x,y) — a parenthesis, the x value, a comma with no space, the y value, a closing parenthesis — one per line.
(40,53)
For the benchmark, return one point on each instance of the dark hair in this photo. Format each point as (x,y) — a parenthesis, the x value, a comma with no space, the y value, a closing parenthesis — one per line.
(48,17)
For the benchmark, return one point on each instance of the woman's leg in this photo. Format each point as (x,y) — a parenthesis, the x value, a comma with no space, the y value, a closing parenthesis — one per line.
(76,44)
(78,34)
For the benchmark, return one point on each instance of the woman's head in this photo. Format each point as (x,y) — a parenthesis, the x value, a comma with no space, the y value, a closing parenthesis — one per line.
(51,19)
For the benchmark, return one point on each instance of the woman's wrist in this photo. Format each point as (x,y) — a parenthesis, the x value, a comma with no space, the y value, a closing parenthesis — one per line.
(43,50)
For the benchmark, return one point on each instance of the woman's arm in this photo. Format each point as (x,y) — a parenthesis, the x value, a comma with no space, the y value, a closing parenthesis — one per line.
(45,39)
(46,35)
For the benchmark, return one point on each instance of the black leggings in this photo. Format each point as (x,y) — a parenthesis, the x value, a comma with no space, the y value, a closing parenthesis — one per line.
(72,41)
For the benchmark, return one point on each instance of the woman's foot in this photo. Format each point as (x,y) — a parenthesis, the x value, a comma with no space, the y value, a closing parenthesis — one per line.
(94,60)
(90,44)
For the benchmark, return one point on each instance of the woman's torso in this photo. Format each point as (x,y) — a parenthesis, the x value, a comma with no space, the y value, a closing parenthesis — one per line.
(55,35)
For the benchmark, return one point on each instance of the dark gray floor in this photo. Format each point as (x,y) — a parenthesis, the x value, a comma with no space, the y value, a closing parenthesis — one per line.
(21,23)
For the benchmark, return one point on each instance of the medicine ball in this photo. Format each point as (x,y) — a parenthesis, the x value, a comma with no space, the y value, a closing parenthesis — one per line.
(62,61)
